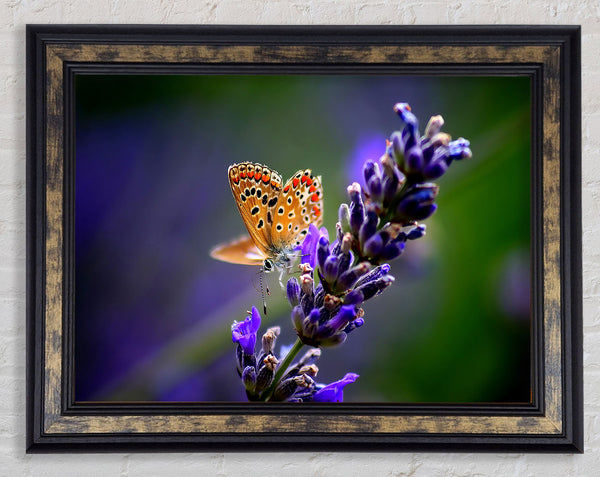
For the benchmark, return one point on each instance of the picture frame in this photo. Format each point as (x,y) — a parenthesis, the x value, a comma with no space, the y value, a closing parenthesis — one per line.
(549,55)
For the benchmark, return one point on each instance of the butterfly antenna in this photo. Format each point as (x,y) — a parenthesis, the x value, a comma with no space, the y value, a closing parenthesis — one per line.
(262,293)
(258,290)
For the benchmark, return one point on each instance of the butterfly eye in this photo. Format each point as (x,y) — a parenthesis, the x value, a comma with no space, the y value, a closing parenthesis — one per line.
(268,265)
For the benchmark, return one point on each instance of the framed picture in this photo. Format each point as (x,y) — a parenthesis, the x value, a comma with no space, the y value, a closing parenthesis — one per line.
(304,238)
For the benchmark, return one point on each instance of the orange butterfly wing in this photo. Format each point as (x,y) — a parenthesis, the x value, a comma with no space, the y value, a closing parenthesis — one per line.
(256,189)
(276,217)
(299,205)
(241,251)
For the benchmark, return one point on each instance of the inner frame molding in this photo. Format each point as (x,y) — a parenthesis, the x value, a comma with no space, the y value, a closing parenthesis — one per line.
(552,421)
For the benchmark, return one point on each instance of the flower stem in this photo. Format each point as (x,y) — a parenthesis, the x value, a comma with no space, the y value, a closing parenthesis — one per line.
(283,366)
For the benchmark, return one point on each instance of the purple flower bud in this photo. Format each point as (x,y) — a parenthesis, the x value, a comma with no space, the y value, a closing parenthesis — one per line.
(423,212)
(392,250)
(373,246)
(309,329)
(357,323)
(336,248)
(354,297)
(249,378)
(391,231)
(375,188)
(459,149)
(390,188)
(307,302)
(404,111)
(334,392)
(297,317)
(322,252)
(392,179)
(244,333)
(330,269)
(414,160)
(285,389)
(319,296)
(356,207)
(417,232)
(370,169)
(373,275)
(369,226)
(314,316)
(293,291)
(265,375)
(397,148)
(349,277)
(417,203)
(410,133)
(344,261)
(435,169)
(339,321)
(371,289)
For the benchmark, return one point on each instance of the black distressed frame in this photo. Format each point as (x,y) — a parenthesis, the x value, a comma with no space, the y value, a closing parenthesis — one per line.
(49,405)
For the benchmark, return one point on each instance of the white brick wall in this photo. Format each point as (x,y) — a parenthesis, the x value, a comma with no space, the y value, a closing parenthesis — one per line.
(14,14)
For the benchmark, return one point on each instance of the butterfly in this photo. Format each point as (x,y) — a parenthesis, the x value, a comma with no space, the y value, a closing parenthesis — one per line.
(276,215)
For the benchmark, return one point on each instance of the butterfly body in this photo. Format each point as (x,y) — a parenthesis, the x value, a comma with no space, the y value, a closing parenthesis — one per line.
(276,215)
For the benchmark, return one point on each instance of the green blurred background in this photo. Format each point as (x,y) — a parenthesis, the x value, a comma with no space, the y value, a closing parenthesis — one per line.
(153,310)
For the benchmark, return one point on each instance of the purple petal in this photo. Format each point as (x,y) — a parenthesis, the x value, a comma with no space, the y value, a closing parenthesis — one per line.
(309,246)
(334,392)
(244,332)
(293,291)
(344,316)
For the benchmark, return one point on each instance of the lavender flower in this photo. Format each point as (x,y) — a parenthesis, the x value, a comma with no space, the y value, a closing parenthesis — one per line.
(244,333)
(427,157)
(325,313)
(257,370)
(337,278)
(398,194)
